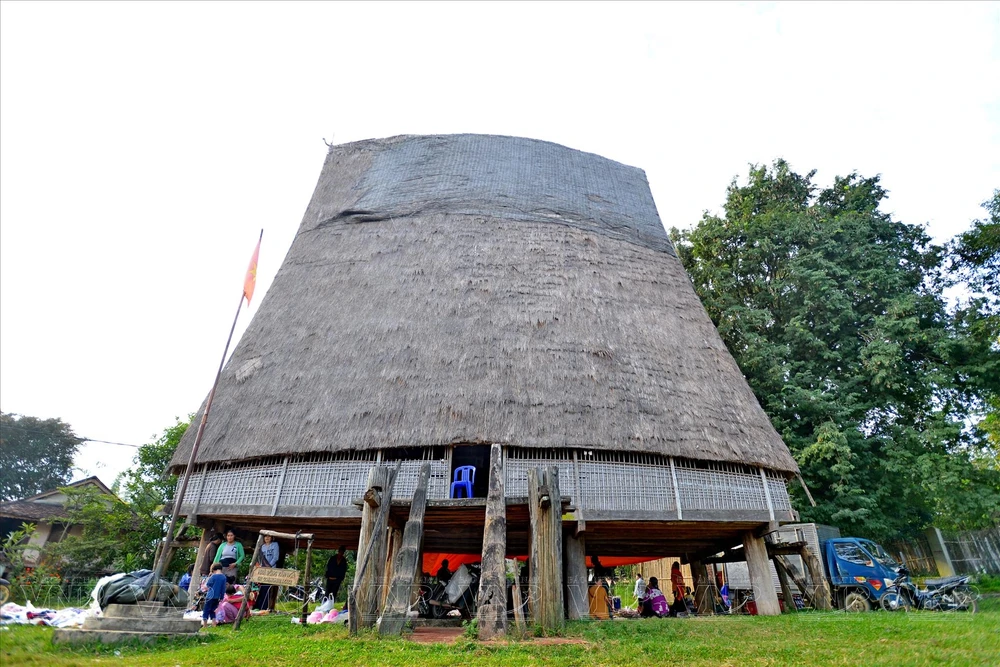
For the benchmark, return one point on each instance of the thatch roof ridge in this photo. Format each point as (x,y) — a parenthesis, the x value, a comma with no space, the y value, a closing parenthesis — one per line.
(560,317)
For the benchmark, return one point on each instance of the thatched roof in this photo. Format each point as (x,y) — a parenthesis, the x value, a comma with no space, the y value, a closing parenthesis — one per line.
(468,288)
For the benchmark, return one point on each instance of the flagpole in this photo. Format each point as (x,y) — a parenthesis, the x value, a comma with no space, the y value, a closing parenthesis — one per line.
(165,552)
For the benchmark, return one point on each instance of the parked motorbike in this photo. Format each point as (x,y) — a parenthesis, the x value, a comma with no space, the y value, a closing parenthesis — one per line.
(460,593)
(316,592)
(947,594)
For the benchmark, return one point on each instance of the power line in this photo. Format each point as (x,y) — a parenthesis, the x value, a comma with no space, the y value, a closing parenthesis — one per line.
(79,437)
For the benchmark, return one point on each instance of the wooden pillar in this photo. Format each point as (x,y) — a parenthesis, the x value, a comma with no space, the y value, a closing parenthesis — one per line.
(575,553)
(759,567)
(406,564)
(493,583)
(545,574)
(703,597)
(821,590)
(246,598)
(365,594)
(199,560)
(786,588)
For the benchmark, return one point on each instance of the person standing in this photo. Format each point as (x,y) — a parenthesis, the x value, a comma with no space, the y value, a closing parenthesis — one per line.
(640,588)
(269,553)
(210,551)
(677,588)
(336,570)
(230,555)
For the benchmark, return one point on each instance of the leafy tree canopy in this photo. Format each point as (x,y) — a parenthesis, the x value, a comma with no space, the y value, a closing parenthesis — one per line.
(36,455)
(834,312)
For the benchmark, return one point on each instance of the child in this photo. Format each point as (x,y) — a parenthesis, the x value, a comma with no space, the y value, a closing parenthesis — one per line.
(216,588)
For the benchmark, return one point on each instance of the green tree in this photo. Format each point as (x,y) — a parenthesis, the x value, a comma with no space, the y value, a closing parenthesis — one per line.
(835,313)
(975,256)
(36,455)
(121,532)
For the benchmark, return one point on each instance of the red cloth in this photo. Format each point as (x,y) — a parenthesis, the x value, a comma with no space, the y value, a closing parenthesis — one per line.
(251,279)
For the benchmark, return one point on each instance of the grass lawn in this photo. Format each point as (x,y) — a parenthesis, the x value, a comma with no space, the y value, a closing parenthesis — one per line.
(832,638)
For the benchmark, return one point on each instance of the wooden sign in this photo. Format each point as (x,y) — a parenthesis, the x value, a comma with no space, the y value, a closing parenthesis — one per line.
(274,576)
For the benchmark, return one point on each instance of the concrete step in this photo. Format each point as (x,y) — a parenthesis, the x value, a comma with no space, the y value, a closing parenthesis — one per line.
(73,636)
(159,625)
(142,610)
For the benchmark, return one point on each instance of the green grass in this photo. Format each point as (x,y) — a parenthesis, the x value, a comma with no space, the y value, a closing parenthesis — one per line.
(833,638)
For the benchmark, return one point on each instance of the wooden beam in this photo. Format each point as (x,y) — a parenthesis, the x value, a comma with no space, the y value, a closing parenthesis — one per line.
(799,579)
(575,552)
(786,588)
(406,564)
(759,568)
(246,598)
(546,558)
(821,596)
(493,582)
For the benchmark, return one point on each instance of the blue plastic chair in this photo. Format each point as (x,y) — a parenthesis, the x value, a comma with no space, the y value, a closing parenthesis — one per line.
(465,477)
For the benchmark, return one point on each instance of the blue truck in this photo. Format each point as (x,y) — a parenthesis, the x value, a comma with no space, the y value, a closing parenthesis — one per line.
(857,570)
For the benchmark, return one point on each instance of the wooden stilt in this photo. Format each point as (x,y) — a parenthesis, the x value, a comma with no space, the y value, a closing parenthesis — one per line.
(546,558)
(821,590)
(518,603)
(364,602)
(395,540)
(406,564)
(493,582)
(704,600)
(758,565)
(575,553)
(307,583)
(246,597)
(199,561)
(786,588)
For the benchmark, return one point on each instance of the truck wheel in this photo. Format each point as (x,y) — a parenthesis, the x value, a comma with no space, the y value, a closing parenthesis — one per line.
(856,601)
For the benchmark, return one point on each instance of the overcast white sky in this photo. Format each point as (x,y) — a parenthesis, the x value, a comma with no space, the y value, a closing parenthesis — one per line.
(144,145)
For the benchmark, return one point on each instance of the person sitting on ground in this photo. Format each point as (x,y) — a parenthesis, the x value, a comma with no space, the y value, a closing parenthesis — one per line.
(215,589)
(229,608)
(597,600)
(677,590)
(443,573)
(654,602)
(230,555)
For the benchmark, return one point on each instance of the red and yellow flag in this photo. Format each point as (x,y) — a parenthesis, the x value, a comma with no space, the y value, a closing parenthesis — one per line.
(251,280)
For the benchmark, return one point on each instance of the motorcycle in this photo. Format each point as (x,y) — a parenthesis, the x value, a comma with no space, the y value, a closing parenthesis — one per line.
(947,594)
(460,593)
(316,592)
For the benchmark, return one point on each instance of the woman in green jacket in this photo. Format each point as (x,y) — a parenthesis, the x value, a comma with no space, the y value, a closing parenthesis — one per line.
(230,555)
